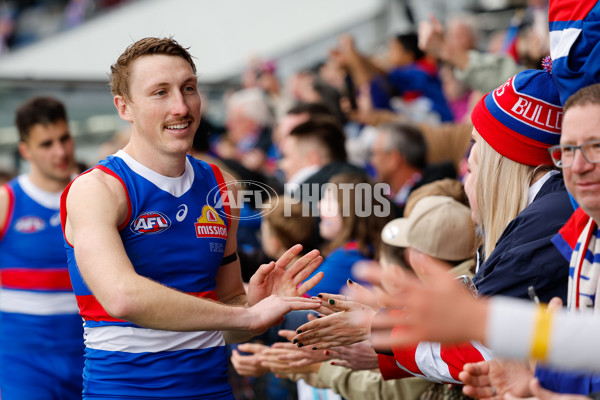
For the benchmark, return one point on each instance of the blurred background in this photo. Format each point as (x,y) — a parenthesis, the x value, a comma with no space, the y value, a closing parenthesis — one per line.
(64,48)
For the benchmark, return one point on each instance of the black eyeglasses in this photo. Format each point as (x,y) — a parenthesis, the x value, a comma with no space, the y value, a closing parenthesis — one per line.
(563,155)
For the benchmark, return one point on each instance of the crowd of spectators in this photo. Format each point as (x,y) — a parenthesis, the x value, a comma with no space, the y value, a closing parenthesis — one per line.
(25,21)
(401,118)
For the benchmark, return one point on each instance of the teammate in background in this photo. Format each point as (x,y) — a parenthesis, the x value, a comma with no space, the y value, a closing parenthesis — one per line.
(41,346)
(152,251)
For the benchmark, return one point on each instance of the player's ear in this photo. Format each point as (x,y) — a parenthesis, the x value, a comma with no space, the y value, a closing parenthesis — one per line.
(24,150)
(123,108)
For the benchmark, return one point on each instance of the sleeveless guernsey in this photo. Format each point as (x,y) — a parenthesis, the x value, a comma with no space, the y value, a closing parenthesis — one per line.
(175,234)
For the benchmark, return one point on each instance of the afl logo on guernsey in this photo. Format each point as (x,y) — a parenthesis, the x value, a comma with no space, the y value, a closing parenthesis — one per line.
(150,222)
(210,225)
(29,224)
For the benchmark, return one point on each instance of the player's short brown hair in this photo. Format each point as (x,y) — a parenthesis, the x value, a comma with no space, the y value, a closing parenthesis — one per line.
(120,70)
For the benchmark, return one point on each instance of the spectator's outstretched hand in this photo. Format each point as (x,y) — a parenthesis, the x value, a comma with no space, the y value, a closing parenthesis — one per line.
(274,278)
(351,323)
(298,357)
(285,358)
(249,365)
(345,54)
(441,311)
(431,37)
(356,356)
(495,379)
(491,380)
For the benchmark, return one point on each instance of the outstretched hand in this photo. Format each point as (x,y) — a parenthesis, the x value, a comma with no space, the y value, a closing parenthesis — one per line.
(249,365)
(357,356)
(350,323)
(441,311)
(270,311)
(491,380)
(298,357)
(431,37)
(274,278)
(345,54)
(285,358)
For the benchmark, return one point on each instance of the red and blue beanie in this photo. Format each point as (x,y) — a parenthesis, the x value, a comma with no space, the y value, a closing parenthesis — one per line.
(522,118)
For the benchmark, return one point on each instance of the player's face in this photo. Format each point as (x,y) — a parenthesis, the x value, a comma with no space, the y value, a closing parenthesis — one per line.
(164,105)
(50,151)
(580,125)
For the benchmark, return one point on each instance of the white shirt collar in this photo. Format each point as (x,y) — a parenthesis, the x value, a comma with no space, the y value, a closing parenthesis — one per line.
(49,200)
(535,188)
(300,176)
(176,186)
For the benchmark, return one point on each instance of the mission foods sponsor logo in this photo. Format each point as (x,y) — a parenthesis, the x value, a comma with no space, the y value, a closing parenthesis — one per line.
(150,222)
(210,225)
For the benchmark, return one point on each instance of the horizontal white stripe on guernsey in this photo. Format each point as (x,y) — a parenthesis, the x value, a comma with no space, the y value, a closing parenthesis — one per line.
(141,340)
(562,41)
(430,362)
(37,303)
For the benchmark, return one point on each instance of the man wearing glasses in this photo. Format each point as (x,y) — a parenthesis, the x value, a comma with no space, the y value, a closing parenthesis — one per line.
(578,155)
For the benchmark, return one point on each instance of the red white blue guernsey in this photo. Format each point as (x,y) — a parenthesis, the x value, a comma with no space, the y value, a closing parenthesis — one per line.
(37,306)
(574,44)
(175,234)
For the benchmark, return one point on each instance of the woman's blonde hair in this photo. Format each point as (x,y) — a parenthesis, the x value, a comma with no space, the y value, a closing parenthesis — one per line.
(502,191)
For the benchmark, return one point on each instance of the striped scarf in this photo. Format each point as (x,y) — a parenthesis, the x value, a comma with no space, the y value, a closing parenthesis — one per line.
(581,232)
(584,270)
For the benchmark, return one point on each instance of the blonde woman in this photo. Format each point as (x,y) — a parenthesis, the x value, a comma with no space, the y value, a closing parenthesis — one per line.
(518,199)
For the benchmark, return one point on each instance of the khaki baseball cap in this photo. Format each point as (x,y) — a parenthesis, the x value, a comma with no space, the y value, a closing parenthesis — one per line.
(438,226)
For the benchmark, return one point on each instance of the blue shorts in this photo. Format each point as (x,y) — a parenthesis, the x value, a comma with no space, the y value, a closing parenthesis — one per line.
(29,375)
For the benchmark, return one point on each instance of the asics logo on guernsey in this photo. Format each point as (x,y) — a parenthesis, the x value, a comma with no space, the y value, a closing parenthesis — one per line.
(150,222)
(182,212)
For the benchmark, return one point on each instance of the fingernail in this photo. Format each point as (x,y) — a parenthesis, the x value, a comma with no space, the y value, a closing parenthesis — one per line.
(298,331)
(320,296)
(300,345)
(295,341)
(319,316)
(314,348)
(331,301)
(332,363)
(350,281)
(326,352)
(314,297)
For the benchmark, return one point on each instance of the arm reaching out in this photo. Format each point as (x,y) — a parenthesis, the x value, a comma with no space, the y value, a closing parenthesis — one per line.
(274,278)
(350,324)
(96,206)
